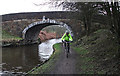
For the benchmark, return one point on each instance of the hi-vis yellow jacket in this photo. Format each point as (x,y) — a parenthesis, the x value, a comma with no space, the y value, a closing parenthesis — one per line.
(67,38)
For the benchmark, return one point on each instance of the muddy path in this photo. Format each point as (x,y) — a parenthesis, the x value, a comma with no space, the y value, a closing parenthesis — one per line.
(65,65)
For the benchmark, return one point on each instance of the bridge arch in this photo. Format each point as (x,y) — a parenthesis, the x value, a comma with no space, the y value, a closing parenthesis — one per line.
(30,33)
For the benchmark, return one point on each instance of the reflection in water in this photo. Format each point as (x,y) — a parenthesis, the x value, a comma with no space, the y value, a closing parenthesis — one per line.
(46,48)
(24,58)
(21,58)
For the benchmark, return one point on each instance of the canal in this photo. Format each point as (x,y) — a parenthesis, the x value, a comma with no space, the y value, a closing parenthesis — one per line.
(24,58)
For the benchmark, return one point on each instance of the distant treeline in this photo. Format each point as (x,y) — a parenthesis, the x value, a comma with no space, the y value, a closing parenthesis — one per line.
(39,15)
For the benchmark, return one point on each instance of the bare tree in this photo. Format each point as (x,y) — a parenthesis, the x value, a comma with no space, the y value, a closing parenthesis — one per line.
(86,12)
(113,13)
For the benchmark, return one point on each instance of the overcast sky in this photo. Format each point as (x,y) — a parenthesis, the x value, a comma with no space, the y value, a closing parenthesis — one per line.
(16,6)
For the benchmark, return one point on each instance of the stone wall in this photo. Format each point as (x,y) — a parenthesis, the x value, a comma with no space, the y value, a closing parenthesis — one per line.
(43,35)
(15,27)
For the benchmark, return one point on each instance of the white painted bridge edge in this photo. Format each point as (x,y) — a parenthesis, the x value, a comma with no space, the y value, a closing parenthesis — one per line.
(45,21)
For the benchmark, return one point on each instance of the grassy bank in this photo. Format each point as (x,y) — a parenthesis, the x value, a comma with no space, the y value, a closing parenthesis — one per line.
(98,53)
(8,37)
(48,65)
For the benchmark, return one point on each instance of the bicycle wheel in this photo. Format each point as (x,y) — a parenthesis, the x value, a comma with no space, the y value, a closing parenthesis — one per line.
(67,51)
(67,55)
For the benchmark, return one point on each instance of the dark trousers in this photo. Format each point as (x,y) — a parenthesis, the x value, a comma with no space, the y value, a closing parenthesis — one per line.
(67,45)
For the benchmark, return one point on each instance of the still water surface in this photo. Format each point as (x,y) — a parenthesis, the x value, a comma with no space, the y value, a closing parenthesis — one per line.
(24,58)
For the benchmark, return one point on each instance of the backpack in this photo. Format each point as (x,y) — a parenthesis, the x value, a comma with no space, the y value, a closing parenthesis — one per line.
(67,35)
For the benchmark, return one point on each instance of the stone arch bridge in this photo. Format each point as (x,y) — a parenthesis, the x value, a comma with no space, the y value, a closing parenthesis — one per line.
(30,33)
(29,29)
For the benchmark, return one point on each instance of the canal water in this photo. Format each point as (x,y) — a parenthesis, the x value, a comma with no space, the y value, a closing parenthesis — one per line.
(24,58)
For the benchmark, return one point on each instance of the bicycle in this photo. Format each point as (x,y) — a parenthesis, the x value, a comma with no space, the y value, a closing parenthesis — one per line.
(67,47)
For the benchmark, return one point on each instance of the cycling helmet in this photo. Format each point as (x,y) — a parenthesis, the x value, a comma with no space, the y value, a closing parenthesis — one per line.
(67,32)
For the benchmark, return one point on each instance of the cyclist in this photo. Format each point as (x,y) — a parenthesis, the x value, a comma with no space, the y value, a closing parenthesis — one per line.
(66,38)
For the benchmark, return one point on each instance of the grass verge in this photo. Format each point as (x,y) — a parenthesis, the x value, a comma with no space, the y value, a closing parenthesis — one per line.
(98,53)
(84,65)
(8,37)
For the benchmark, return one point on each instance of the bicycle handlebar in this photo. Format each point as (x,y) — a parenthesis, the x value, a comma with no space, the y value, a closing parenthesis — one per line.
(67,41)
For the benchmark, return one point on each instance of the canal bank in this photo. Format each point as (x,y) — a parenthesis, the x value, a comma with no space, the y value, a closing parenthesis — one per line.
(9,40)
(58,63)
(48,64)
